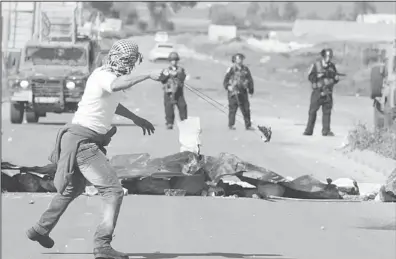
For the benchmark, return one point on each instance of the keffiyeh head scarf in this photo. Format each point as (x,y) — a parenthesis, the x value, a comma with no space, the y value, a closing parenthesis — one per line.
(122,57)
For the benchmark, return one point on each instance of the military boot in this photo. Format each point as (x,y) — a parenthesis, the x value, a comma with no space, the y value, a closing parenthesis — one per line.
(43,240)
(108,253)
(328,134)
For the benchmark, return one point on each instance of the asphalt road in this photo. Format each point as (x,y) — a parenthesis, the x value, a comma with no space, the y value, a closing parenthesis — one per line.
(211,227)
(195,227)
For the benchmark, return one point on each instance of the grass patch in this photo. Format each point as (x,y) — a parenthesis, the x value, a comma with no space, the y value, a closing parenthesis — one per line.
(380,141)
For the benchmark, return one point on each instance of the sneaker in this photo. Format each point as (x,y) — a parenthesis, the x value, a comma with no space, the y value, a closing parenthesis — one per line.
(328,134)
(44,241)
(108,253)
(249,128)
(232,127)
(306,133)
(169,126)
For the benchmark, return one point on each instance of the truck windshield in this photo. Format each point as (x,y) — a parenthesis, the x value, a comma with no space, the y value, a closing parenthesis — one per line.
(56,56)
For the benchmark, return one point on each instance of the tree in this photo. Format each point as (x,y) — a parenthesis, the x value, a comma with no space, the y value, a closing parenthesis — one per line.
(290,11)
(252,13)
(104,7)
(159,12)
(313,16)
(363,8)
(271,13)
(339,14)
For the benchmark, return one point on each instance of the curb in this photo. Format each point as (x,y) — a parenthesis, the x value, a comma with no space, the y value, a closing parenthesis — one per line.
(372,160)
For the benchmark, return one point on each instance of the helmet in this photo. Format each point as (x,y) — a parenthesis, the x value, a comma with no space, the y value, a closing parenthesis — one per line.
(173,56)
(233,58)
(326,52)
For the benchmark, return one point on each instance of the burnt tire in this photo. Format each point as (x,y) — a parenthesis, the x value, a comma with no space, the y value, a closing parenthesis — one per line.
(379,120)
(32,117)
(16,113)
(376,82)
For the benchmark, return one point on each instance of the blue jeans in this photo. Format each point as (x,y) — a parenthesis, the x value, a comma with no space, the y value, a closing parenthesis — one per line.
(94,168)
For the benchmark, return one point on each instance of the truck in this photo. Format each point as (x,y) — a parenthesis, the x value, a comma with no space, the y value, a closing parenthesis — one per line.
(54,65)
(383,89)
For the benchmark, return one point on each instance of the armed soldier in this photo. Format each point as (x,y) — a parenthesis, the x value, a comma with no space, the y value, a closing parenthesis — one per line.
(238,82)
(173,80)
(323,76)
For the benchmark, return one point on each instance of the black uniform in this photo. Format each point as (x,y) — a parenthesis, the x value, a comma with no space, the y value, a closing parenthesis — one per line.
(174,94)
(323,78)
(240,79)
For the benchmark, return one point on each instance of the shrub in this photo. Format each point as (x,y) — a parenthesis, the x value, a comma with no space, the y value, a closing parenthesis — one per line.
(381,141)
(142,25)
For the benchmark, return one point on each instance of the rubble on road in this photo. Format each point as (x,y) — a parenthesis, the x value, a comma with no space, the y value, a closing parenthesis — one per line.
(387,192)
(197,175)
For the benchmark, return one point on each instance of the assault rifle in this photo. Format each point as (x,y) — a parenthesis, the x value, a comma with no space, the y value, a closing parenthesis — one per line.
(328,74)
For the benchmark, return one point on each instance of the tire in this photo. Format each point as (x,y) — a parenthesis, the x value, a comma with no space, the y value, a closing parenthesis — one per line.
(17,110)
(379,121)
(32,117)
(376,82)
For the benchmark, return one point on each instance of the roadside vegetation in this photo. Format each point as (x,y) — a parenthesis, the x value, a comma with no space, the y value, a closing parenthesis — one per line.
(380,141)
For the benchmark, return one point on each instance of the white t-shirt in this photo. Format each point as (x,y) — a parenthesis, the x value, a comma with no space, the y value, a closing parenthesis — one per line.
(98,103)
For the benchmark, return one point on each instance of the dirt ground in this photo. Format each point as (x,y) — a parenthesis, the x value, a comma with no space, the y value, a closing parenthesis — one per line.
(214,227)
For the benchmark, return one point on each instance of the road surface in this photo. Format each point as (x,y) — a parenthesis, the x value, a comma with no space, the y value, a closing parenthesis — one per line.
(213,227)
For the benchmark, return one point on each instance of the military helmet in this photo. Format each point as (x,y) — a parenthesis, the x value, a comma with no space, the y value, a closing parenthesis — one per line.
(173,56)
(326,52)
(233,58)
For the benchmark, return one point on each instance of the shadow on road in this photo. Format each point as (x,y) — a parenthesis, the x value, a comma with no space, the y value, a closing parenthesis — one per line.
(64,123)
(193,255)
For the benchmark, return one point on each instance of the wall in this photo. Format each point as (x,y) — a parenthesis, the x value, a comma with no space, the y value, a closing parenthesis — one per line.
(345,30)
(221,32)
(377,18)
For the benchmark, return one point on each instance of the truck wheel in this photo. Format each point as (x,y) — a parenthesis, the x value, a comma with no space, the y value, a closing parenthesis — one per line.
(376,82)
(378,117)
(17,111)
(32,117)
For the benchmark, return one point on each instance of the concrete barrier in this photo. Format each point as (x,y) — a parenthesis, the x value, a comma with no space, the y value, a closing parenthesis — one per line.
(345,30)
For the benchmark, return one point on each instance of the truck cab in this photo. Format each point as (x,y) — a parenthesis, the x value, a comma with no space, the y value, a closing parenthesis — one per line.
(51,78)
(54,66)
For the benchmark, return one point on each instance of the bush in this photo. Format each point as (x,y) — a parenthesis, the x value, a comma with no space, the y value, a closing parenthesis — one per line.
(381,141)
(169,26)
(142,25)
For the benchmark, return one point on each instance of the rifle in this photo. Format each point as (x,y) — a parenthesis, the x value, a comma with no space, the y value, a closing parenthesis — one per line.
(329,74)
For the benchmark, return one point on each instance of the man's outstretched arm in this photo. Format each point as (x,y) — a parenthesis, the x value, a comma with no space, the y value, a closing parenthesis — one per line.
(144,124)
(125,112)
(127,81)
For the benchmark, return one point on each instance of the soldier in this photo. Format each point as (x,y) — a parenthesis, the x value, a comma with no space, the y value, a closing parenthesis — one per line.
(173,80)
(323,76)
(238,82)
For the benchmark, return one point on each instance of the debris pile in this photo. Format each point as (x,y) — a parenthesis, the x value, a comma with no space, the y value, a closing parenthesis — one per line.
(187,173)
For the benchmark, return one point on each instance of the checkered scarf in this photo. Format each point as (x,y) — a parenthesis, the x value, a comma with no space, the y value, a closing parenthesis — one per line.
(122,57)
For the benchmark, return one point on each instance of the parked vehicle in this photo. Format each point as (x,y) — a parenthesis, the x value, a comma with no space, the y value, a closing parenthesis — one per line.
(161,51)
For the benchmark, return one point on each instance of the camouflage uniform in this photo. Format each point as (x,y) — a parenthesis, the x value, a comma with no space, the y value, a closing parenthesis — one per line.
(322,95)
(241,81)
(174,94)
